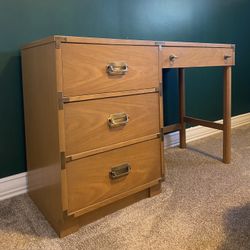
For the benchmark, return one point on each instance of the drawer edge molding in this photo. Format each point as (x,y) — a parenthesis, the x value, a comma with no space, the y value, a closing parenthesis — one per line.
(111,147)
(109,95)
(113,199)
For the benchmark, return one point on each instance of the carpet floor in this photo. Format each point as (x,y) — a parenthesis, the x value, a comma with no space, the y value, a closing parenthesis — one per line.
(204,204)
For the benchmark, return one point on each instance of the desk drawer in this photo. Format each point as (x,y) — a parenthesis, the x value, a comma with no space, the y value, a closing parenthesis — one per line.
(130,67)
(87,126)
(184,57)
(94,179)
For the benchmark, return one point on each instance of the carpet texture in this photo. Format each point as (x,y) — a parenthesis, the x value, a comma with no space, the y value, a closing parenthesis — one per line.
(204,204)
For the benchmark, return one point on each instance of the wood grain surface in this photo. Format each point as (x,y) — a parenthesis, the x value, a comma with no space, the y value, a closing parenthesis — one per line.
(95,40)
(86,125)
(88,178)
(41,131)
(197,57)
(84,68)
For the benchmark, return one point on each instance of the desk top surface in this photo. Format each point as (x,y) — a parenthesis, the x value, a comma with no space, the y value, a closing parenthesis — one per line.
(95,40)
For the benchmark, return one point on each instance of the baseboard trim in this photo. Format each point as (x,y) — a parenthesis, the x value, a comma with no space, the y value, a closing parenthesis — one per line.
(13,185)
(17,184)
(199,132)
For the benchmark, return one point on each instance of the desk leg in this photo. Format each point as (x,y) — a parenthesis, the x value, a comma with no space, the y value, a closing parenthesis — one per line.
(227,115)
(181,76)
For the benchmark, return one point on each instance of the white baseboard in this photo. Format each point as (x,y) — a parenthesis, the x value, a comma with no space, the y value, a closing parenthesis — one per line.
(13,185)
(198,132)
(17,184)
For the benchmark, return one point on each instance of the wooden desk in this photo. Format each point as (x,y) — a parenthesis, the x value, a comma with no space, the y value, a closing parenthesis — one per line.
(94,121)
(186,55)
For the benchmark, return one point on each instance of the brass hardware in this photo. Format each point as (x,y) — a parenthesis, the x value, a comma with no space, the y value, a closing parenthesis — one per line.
(172,58)
(226,57)
(65,99)
(68,159)
(160,88)
(117,120)
(119,171)
(63,160)
(117,68)
(66,214)
(159,43)
(57,44)
(61,100)
(162,134)
(59,40)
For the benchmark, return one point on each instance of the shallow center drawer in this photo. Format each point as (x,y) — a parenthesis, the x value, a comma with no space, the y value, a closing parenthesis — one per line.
(182,57)
(98,123)
(97,178)
(91,69)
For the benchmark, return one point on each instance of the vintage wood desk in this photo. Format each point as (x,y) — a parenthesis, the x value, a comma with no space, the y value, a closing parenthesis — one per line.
(94,120)
(188,55)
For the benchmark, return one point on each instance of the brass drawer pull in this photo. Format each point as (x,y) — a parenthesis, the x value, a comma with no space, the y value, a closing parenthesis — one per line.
(119,171)
(117,68)
(117,120)
(172,58)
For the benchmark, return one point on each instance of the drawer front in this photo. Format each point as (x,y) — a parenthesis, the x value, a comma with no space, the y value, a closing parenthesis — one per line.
(179,57)
(130,67)
(98,123)
(95,178)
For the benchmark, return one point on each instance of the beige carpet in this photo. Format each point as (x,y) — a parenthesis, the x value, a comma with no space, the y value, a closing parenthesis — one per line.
(204,205)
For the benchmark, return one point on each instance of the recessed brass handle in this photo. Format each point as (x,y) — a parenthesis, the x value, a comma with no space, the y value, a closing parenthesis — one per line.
(117,120)
(172,58)
(119,171)
(117,68)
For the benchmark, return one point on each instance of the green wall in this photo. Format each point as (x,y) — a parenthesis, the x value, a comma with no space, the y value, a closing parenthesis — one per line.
(224,21)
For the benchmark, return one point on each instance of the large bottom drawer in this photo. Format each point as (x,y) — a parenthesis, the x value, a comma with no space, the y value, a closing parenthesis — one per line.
(97,178)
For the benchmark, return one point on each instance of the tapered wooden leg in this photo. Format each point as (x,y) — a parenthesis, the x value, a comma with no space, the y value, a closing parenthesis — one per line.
(181,74)
(227,115)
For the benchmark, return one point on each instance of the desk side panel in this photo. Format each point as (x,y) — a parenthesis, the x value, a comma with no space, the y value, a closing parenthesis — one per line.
(41,129)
